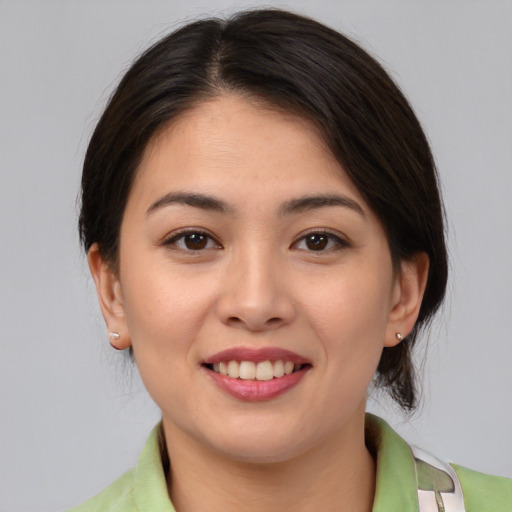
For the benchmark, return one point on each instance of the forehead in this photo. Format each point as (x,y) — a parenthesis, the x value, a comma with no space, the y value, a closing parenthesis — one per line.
(231,123)
(242,144)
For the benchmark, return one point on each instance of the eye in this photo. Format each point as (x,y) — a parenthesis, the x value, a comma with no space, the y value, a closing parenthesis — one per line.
(320,241)
(192,241)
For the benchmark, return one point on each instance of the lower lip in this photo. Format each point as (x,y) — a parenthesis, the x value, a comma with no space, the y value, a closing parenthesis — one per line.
(257,390)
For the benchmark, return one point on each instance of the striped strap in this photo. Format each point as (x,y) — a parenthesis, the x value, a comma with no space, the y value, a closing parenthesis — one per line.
(439,488)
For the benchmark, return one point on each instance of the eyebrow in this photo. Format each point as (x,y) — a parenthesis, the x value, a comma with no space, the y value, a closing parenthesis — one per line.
(303,204)
(299,205)
(202,201)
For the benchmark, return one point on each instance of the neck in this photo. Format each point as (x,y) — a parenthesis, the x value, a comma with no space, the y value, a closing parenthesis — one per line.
(337,475)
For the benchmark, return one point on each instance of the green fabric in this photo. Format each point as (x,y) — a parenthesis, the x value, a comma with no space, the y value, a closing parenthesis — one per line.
(484,492)
(396,489)
(144,488)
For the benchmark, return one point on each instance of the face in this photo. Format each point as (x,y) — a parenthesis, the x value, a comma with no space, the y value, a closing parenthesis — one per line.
(245,249)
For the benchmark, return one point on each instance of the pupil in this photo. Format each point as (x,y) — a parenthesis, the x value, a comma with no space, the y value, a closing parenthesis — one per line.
(196,241)
(316,242)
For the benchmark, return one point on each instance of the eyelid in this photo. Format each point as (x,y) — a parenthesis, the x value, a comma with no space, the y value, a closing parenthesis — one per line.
(171,239)
(341,241)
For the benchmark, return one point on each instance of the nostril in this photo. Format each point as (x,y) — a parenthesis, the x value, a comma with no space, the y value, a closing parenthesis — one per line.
(271,322)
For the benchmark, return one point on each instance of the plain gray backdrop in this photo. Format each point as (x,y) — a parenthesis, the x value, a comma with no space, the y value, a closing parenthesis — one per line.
(73,415)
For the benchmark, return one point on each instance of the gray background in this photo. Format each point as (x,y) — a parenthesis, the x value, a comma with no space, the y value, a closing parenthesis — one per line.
(73,415)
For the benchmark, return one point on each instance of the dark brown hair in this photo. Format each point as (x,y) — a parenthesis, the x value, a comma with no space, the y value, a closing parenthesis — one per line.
(299,65)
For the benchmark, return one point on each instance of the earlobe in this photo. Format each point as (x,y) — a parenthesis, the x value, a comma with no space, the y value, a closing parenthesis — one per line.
(110,297)
(408,292)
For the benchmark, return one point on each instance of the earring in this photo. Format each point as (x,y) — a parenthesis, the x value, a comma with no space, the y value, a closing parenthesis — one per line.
(399,337)
(114,336)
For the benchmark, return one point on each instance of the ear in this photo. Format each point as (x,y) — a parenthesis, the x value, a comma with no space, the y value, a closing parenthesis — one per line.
(110,297)
(407,296)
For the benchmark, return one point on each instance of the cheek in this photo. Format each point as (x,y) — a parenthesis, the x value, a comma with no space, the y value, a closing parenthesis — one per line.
(163,307)
(356,301)
(349,314)
(163,320)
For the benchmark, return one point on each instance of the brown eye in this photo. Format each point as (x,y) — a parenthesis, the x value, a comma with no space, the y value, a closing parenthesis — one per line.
(192,241)
(316,241)
(320,242)
(195,241)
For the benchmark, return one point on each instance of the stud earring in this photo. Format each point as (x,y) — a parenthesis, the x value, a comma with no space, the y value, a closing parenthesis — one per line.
(399,337)
(114,336)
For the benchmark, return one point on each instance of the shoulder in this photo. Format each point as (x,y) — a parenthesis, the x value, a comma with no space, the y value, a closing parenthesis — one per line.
(116,497)
(410,479)
(142,489)
(483,492)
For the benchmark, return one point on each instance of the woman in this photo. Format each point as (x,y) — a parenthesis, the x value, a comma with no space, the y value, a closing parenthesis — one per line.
(263,224)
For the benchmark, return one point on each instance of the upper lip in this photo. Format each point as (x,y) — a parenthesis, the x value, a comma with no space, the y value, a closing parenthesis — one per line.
(256,355)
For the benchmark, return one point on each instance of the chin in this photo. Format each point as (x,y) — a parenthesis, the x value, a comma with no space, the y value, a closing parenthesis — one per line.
(259,444)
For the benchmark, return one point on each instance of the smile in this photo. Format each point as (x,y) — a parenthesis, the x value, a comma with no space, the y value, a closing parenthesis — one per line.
(251,374)
(249,370)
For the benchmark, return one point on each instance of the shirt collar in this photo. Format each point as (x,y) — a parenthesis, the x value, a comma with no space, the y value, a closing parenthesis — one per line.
(150,486)
(396,487)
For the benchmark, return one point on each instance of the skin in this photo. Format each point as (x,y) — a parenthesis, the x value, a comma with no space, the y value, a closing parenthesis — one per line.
(256,283)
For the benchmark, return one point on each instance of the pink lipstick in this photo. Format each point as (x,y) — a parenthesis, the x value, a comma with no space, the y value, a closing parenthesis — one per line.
(256,374)
(256,355)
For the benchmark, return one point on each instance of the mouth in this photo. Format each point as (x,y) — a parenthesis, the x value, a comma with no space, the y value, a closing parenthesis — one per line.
(256,374)
(258,371)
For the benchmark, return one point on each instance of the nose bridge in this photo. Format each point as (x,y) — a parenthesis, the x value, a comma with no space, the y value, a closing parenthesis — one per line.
(255,294)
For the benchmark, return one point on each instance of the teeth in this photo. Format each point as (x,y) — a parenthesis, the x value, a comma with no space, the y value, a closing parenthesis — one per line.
(264,371)
(248,370)
(278,369)
(234,369)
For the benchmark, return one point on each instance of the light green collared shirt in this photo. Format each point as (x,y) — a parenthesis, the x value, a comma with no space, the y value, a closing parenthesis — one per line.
(144,488)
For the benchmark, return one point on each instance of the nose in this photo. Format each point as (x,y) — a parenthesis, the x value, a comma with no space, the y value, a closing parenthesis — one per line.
(255,293)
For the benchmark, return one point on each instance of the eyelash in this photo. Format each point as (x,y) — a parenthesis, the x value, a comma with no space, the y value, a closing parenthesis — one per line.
(331,238)
(339,243)
(182,235)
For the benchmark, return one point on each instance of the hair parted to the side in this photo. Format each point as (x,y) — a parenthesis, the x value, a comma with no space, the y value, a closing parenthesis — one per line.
(299,65)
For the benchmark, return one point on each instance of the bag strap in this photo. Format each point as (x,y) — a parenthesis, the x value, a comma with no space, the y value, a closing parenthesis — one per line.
(439,487)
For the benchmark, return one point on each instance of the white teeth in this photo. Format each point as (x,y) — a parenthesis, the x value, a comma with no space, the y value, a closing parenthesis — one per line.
(247,370)
(278,369)
(264,371)
(234,369)
(288,367)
